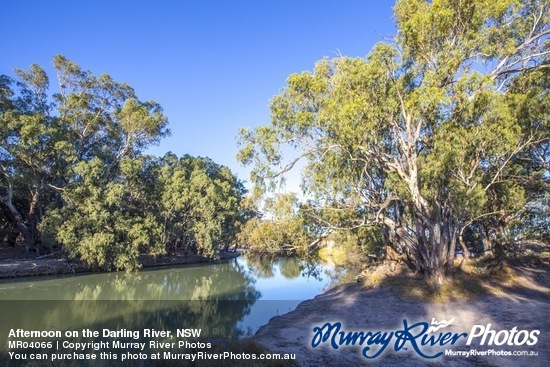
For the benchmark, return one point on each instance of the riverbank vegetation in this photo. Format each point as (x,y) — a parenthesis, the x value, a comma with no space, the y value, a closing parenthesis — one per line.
(436,143)
(74,180)
(438,140)
(279,229)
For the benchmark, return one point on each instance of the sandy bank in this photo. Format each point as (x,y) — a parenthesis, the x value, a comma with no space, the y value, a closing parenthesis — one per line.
(526,307)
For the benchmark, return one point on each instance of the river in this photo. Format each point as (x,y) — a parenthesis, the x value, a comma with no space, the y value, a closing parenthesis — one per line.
(230,299)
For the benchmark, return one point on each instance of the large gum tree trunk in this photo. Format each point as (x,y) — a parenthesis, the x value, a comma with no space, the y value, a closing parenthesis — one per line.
(17,220)
(431,242)
(436,242)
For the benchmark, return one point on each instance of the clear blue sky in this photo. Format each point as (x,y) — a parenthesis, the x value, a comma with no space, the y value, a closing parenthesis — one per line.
(212,65)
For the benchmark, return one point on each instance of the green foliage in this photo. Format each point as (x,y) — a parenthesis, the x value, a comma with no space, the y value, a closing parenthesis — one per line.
(104,222)
(283,232)
(443,129)
(199,203)
(155,206)
(350,248)
(72,173)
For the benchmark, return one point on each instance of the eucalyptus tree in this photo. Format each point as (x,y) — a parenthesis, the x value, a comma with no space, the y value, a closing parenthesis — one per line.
(50,144)
(151,206)
(73,173)
(27,132)
(426,135)
(282,230)
(199,204)
(103,219)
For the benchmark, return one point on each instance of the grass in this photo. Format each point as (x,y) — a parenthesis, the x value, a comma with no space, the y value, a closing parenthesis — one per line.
(473,278)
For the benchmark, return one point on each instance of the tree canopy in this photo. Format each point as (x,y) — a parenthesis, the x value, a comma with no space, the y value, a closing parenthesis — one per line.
(73,173)
(443,129)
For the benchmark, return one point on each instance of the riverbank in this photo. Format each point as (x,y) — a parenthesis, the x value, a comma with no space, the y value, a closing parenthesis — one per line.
(383,306)
(18,268)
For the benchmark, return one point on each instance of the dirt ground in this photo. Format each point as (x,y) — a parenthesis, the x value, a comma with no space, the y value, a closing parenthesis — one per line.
(525,305)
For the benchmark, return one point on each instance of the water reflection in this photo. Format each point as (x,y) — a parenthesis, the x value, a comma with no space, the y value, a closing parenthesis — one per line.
(290,268)
(229,300)
(213,298)
(261,267)
(228,281)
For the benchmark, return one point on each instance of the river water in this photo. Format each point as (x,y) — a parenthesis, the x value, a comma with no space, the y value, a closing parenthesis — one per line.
(230,299)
